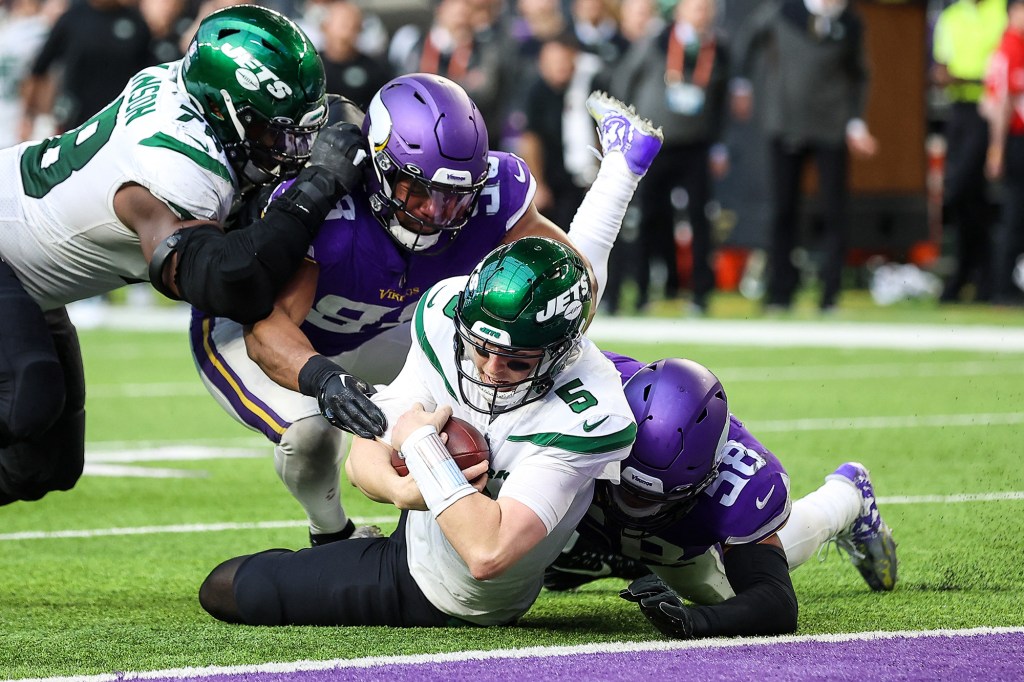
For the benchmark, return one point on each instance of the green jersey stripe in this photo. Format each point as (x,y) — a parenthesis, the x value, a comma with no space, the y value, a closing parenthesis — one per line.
(586,445)
(204,160)
(421,336)
(182,213)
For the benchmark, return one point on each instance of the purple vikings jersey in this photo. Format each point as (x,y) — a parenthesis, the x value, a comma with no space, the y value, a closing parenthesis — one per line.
(746,503)
(368,284)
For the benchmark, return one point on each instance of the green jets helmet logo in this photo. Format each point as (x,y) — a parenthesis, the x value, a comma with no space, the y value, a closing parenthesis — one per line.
(251,73)
(568,304)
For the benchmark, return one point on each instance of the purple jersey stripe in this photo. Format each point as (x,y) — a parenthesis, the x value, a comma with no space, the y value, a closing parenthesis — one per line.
(250,409)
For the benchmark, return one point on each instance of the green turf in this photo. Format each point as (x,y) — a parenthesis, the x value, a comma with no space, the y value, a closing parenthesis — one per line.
(94,605)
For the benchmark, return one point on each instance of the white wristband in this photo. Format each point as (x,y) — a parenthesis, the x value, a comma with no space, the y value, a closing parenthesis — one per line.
(439,478)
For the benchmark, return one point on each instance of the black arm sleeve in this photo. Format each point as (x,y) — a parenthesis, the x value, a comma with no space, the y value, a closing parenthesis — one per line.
(239,274)
(765,602)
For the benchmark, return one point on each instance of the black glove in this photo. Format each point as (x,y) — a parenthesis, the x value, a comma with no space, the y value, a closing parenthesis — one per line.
(660,606)
(338,153)
(334,170)
(343,398)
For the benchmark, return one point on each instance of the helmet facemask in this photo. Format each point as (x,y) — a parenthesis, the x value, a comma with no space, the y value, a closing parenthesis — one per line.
(526,303)
(640,510)
(494,399)
(406,196)
(429,153)
(270,150)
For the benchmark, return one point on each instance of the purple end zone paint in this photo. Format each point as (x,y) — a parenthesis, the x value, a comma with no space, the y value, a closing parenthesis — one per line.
(947,657)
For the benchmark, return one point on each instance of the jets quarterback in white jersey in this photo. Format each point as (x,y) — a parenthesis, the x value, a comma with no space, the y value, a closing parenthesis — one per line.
(141,191)
(502,348)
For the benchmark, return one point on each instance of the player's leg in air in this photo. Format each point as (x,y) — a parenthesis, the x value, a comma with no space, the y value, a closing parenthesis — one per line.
(629,144)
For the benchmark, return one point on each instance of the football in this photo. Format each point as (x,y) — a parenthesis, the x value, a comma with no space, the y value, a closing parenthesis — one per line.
(465,443)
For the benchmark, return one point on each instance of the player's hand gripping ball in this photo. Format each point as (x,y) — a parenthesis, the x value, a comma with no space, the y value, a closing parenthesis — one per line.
(465,443)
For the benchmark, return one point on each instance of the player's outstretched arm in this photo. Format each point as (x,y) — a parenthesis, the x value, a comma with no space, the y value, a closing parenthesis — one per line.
(239,274)
(765,601)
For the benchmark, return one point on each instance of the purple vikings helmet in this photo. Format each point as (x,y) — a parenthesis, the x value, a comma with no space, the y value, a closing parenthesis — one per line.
(682,418)
(425,128)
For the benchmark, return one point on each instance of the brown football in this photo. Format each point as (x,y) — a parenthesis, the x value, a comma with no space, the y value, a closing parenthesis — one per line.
(465,443)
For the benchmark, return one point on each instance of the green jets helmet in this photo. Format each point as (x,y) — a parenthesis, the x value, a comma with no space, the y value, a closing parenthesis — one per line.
(526,302)
(260,85)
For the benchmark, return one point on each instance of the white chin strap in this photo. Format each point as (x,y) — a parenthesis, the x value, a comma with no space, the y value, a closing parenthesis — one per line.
(412,240)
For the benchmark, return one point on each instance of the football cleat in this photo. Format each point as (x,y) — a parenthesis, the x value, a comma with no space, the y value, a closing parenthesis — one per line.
(621,129)
(868,540)
(583,563)
(350,532)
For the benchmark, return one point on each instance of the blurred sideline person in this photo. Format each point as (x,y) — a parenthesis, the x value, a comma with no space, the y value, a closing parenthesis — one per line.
(545,141)
(98,45)
(139,192)
(706,507)
(966,34)
(680,79)
(502,348)
(434,202)
(812,104)
(1004,107)
(24,25)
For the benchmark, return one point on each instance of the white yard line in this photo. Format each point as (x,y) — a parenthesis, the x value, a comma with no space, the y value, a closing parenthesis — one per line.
(756,373)
(887,422)
(714,332)
(182,528)
(525,652)
(960,498)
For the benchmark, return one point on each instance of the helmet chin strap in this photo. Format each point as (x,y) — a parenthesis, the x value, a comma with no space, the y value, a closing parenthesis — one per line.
(412,240)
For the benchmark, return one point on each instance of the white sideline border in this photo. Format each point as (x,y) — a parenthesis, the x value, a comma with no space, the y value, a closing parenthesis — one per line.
(778,333)
(526,652)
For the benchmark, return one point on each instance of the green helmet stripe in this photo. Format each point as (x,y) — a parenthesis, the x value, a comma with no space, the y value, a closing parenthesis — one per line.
(211,164)
(586,445)
(421,337)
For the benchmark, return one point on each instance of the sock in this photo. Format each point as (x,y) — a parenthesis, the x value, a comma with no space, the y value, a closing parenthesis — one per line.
(817,518)
(308,462)
(597,221)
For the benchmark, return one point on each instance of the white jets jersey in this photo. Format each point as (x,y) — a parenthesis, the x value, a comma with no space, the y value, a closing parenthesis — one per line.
(58,229)
(545,455)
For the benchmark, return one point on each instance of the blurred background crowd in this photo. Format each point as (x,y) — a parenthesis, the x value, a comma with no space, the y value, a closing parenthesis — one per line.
(811,146)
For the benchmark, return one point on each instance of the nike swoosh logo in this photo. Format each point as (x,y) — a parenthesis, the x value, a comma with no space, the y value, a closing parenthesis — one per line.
(520,173)
(588,427)
(762,502)
(430,303)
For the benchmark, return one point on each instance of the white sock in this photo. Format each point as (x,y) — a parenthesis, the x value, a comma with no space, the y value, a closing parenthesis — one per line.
(308,462)
(817,518)
(597,221)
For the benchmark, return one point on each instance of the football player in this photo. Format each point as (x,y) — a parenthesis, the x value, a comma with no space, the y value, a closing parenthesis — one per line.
(435,201)
(502,348)
(706,507)
(139,192)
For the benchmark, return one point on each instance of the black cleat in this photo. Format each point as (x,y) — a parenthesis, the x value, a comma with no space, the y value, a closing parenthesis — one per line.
(583,563)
